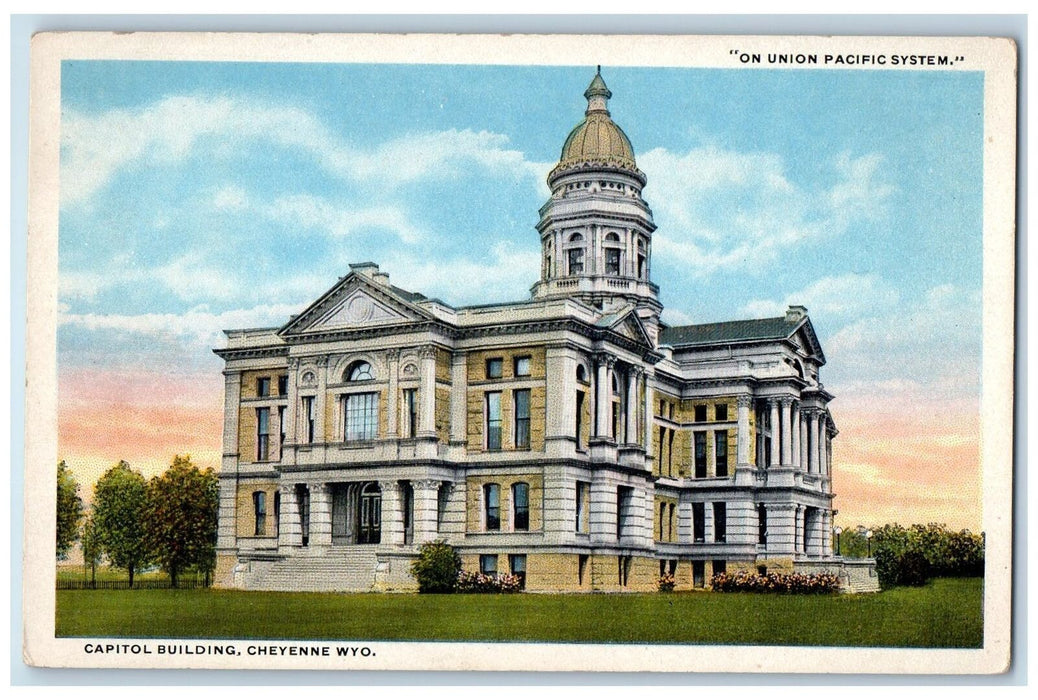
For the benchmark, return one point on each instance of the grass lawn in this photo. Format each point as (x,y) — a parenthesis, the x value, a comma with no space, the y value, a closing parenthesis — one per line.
(945,613)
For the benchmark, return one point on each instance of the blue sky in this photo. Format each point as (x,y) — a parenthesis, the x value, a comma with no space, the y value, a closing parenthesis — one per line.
(202,196)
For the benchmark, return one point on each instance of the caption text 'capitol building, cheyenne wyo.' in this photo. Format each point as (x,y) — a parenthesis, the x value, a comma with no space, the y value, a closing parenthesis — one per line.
(571,439)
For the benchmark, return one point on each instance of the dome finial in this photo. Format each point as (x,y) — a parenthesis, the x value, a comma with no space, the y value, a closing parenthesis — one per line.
(597,94)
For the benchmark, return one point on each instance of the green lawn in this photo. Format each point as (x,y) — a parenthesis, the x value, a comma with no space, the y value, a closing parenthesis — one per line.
(945,613)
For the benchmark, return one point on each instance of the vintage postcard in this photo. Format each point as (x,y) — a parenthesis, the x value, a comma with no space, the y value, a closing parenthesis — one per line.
(597,353)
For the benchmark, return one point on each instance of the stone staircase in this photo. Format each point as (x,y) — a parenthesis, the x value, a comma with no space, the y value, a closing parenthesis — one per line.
(339,569)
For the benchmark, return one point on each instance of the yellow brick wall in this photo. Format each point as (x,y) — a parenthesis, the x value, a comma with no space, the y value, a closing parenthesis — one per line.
(670,520)
(443,413)
(585,422)
(476,406)
(683,453)
(443,365)
(249,385)
(223,576)
(556,572)
(476,363)
(247,433)
(246,517)
(474,500)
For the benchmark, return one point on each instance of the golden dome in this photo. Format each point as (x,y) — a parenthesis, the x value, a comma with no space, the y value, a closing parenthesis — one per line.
(597,141)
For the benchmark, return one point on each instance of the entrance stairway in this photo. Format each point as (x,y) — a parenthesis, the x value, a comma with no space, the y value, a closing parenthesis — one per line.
(340,569)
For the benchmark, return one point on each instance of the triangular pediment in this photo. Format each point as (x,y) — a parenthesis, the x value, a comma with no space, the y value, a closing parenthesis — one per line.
(629,326)
(354,303)
(806,341)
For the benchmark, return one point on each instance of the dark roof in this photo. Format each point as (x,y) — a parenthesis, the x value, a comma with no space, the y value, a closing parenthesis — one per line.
(406,295)
(729,331)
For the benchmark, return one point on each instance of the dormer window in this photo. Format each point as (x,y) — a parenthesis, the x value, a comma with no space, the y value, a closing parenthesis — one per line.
(359,372)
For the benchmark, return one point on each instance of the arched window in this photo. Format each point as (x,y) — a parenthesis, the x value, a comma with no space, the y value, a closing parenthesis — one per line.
(492,506)
(575,254)
(641,259)
(259,506)
(612,254)
(359,371)
(581,374)
(520,506)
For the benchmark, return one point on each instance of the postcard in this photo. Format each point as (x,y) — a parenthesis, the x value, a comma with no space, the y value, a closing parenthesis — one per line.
(548,353)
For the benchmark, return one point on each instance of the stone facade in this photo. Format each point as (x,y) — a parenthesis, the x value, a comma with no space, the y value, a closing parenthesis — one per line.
(572,438)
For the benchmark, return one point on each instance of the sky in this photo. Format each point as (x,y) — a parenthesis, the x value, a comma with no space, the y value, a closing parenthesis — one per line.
(197,197)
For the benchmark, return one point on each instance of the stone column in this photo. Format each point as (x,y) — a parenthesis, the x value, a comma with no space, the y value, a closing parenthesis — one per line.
(631,409)
(823,445)
(292,409)
(290,531)
(320,515)
(561,398)
(426,502)
(804,442)
(827,540)
(782,528)
(427,409)
(775,432)
(392,514)
(322,432)
(231,421)
(812,452)
(742,435)
(647,424)
(708,522)
(393,400)
(787,444)
(603,394)
(794,455)
(459,398)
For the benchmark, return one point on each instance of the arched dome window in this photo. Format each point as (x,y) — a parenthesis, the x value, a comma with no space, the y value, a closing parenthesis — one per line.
(575,254)
(359,371)
(613,254)
(612,238)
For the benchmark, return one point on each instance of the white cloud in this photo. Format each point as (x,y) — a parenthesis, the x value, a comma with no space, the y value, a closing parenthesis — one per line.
(96,146)
(720,210)
(843,296)
(315,212)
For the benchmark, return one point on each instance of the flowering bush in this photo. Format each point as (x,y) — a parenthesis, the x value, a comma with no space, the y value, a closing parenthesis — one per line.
(745,582)
(474,582)
(666,583)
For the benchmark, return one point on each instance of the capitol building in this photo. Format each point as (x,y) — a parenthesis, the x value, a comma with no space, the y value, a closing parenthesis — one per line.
(572,438)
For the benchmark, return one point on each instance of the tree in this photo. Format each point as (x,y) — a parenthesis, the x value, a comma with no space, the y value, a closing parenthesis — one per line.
(181,517)
(91,543)
(120,504)
(436,568)
(70,510)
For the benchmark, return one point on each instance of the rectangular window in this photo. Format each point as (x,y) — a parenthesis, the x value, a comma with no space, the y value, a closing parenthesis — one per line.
(670,522)
(698,522)
(442,499)
(700,439)
(283,385)
(493,409)
(263,386)
(408,503)
(281,429)
(259,506)
(522,418)
(624,498)
(411,413)
(308,419)
(517,564)
(612,261)
(488,564)
(720,566)
(495,365)
(277,512)
(721,411)
(700,412)
(721,453)
(580,524)
(360,416)
(492,506)
(698,574)
(762,524)
(522,367)
(720,522)
(575,261)
(521,506)
(262,434)
(580,420)
(582,560)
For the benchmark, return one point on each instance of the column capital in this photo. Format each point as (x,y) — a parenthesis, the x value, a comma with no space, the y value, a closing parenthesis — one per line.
(605,358)
(293,363)
(393,354)
(743,401)
(388,484)
(287,489)
(786,401)
(427,352)
(318,488)
(427,483)
(321,361)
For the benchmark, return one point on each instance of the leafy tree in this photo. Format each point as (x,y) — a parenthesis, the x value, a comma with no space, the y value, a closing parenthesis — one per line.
(181,517)
(437,567)
(910,556)
(120,504)
(70,510)
(91,543)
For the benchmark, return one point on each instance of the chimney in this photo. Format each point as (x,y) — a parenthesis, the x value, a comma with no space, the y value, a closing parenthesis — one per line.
(368,269)
(795,312)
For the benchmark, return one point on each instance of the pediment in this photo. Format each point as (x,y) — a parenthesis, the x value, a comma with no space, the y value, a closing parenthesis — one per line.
(353,303)
(806,341)
(358,309)
(629,326)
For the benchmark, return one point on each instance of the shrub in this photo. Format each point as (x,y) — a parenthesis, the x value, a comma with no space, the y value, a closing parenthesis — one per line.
(436,568)
(910,556)
(474,582)
(746,582)
(666,583)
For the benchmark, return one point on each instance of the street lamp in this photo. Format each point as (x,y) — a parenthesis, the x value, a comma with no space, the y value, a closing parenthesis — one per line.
(868,539)
(838,531)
